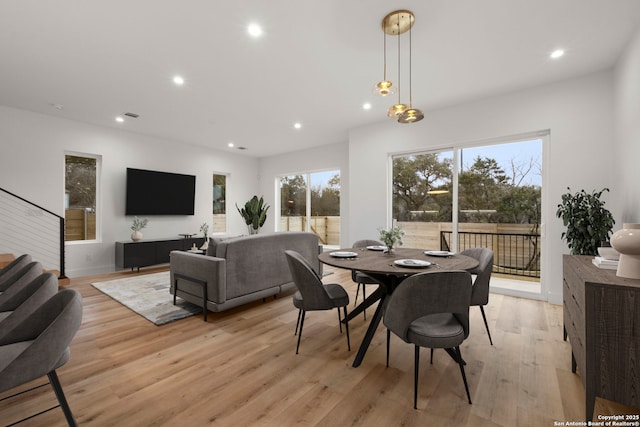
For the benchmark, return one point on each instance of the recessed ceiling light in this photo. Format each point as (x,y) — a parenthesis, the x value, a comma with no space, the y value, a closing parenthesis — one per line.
(230,145)
(119,119)
(297,125)
(557,53)
(366,105)
(179,80)
(254,30)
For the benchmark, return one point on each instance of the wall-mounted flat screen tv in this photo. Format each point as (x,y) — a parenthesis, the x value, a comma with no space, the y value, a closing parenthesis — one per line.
(159,193)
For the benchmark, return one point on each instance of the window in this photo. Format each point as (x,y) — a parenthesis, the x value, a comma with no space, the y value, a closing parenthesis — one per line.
(485,196)
(311,202)
(219,204)
(80,197)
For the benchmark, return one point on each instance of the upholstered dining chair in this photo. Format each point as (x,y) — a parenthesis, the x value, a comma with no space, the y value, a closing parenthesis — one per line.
(40,344)
(26,301)
(313,295)
(18,280)
(480,292)
(361,278)
(431,309)
(9,270)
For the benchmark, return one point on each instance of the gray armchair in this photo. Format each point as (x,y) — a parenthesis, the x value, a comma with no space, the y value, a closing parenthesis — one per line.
(313,295)
(361,278)
(431,310)
(16,281)
(480,292)
(40,344)
(8,271)
(26,301)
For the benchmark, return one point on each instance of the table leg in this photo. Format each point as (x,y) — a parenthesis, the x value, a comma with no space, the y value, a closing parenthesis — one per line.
(369,301)
(371,331)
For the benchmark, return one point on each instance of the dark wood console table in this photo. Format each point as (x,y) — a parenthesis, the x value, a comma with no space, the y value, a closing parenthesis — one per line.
(602,322)
(151,252)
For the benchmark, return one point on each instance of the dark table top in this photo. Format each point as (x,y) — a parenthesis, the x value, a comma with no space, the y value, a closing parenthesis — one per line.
(370,261)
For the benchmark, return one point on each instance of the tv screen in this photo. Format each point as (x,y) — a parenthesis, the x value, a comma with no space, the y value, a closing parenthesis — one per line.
(159,193)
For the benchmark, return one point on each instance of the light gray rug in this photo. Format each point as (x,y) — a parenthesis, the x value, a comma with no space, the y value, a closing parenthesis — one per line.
(148,295)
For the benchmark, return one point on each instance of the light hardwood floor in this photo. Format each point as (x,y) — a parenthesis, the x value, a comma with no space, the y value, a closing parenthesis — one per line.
(240,368)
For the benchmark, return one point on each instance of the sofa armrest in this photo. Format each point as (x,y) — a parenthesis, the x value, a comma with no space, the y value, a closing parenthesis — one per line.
(203,268)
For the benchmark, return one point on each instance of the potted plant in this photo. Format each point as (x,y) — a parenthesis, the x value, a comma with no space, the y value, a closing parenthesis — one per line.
(391,237)
(254,213)
(138,224)
(588,222)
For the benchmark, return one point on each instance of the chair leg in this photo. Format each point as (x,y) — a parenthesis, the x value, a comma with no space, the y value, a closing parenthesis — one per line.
(486,325)
(364,297)
(416,369)
(57,389)
(346,326)
(355,301)
(340,320)
(388,345)
(432,356)
(300,332)
(298,322)
(464,377)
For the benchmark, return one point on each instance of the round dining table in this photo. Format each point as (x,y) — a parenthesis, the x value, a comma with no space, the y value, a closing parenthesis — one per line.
(389,269)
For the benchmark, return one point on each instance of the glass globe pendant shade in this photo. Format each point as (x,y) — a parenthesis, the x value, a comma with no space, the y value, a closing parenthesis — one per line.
(384,88)
(411,115)
(396,109)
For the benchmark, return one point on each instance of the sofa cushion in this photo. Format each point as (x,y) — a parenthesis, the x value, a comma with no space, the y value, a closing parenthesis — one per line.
(213,244)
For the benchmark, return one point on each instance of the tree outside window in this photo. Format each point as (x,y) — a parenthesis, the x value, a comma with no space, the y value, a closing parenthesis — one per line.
(80,197)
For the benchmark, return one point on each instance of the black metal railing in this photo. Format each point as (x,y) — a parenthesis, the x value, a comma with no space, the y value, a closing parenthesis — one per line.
(513,254)
(26,228)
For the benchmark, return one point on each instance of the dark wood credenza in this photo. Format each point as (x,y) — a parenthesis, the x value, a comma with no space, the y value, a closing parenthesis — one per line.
(151,252)
(602,322)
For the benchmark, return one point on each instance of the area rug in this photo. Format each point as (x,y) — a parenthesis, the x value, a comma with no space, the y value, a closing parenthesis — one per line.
(148,295)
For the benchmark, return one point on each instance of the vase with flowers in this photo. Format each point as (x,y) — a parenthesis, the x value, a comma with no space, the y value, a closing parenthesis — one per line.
(138,224)
(391,237)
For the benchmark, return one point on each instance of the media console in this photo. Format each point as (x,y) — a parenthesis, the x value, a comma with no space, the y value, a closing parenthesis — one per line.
(151,252)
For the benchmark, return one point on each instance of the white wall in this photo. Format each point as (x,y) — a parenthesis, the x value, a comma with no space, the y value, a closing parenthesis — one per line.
(578,113)
(326,157)
(627,113)
(32,166)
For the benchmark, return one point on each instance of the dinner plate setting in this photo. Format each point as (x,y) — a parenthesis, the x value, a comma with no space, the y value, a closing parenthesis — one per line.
(439,253)
(341,254)
(412,263)
(376,248)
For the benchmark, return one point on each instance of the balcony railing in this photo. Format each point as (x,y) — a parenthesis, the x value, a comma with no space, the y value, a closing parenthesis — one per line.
(513,254)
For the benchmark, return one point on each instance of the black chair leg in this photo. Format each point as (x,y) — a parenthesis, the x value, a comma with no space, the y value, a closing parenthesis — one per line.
(57,389)
(416,369)
(300,332)
(340,319)
(388,345)
(346,326)
(355,301)
(461,363)
(298,322)
(364,297)
(486,325)
(432,356)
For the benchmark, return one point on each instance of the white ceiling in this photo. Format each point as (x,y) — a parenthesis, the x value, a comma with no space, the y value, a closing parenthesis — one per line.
(316,62)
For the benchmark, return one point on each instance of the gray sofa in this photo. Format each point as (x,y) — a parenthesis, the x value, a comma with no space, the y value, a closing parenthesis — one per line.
(239,270)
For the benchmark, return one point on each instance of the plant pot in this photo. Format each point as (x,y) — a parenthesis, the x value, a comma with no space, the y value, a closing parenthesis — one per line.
(136,235)
(627,242)
(252,230)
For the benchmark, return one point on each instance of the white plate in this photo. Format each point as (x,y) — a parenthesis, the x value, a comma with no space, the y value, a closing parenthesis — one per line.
(438,253)
(376,248)
(415,263)
(343,254)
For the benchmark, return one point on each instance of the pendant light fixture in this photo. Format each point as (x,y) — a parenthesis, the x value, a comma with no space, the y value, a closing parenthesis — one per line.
(410,115)
(384,87)
(394,24)
(396,109)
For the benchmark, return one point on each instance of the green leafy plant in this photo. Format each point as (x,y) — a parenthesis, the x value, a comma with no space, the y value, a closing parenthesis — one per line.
(254,213)
(391,237)
(204,229)
(588,222)
(139,224)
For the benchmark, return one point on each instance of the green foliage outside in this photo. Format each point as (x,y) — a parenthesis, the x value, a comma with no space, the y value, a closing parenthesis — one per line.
(423,189)
(325,200)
